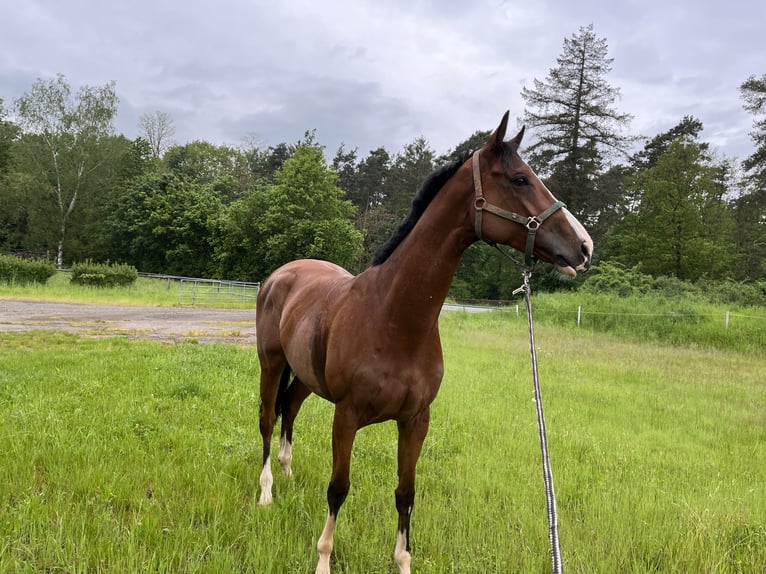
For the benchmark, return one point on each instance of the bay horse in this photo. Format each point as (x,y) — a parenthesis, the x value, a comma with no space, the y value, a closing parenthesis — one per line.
(370,343)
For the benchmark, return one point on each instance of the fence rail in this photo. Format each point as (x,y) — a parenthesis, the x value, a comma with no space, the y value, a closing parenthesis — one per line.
(578,314)
(192,290)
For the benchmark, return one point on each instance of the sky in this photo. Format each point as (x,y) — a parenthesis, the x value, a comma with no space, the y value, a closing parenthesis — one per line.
(372,73)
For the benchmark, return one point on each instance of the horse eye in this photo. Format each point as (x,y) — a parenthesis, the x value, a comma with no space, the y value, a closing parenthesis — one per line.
(521,180)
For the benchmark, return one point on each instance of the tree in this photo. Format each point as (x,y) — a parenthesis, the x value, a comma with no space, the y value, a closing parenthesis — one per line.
(9,213)
(157,128)
(753,91)
(577,126)
(62,137)
(131,237)
(680,226)
(688,130)
(8,132)
(302,215)
(751,205)
(365,189)
(127,160)
(201,162)
(344,165)
(471,144)
(165,224)
(390,203)
(750,235)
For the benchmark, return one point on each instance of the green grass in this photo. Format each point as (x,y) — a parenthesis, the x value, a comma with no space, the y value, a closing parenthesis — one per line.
(145,291)
(120,455)
(681,321)
(675,320)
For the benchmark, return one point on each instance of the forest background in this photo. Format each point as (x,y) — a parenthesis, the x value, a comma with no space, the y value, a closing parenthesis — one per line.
(663,210)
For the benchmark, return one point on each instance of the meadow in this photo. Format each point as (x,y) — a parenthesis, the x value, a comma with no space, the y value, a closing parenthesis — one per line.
(121,455)
(145,291)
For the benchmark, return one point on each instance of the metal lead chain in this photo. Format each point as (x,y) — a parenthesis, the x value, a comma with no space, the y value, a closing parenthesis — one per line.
(550,496)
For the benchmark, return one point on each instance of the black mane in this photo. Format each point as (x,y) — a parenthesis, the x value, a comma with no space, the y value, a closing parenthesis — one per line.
(428,190)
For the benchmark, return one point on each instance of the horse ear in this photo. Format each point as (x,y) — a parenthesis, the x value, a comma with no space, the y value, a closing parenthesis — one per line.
(499,134)
(519,136)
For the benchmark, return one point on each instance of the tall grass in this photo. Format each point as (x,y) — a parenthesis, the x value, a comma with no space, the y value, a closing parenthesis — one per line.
(119,455)
(674,320)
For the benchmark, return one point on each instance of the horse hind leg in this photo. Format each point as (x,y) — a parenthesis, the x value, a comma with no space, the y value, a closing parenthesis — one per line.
(273,386)
(296,393)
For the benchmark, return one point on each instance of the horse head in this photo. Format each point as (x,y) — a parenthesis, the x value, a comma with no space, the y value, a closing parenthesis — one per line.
(513,207)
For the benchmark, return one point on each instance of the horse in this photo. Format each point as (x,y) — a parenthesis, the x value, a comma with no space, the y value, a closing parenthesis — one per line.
(370,343)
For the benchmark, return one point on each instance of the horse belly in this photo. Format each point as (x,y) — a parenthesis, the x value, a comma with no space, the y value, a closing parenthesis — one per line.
(305,354)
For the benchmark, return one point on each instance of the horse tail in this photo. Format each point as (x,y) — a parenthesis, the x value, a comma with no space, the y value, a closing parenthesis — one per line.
(284,383)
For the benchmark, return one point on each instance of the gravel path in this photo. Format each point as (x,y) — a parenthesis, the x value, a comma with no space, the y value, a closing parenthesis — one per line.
(160,323)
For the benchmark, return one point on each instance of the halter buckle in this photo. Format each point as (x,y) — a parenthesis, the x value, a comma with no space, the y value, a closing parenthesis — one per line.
(533,223)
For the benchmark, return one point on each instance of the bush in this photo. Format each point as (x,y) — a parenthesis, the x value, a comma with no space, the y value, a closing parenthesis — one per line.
(734,293)
(103,274)
(616,279)
(22,271)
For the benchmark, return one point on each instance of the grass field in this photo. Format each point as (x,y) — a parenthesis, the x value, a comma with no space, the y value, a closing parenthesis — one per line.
(145,291)
(120,455)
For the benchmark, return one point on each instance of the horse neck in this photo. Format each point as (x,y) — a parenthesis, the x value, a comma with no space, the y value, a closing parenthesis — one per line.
(415,279)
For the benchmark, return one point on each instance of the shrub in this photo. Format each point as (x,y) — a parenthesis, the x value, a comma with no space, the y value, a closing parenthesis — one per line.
(23,271)
(617,279)
(103,274)
(734,293)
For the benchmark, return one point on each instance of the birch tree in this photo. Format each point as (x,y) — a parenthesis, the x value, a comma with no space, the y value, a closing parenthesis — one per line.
(61,133)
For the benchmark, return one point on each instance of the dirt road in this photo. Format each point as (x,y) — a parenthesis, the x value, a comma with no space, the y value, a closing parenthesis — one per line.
(160,323)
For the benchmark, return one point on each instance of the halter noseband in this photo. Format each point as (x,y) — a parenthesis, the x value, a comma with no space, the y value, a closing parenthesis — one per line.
(532,223)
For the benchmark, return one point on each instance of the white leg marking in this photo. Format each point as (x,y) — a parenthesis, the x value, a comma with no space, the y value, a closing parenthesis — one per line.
(401,555)
(285,455)
(324,546)
(266,481)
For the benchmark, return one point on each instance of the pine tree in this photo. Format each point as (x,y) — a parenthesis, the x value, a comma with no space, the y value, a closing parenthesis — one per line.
(753,91)
(751,206)
(577,127)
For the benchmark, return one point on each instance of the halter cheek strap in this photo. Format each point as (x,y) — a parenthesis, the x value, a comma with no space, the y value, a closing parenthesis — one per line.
(532,223)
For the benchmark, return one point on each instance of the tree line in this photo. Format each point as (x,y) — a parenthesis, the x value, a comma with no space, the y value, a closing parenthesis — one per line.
(74,189)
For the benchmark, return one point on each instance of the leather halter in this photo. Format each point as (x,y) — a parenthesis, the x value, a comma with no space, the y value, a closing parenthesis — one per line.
(532,223)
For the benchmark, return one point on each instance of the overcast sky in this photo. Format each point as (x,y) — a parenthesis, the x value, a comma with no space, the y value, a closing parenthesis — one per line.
(373,73)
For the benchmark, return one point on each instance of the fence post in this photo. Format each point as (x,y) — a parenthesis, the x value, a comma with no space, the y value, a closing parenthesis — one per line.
(727,319)
(579,312)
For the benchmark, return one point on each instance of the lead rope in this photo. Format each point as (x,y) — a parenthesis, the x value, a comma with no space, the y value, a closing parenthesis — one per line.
(550,496)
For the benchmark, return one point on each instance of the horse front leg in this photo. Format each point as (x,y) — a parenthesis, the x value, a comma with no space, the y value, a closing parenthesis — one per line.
(412,433)
(344,429)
